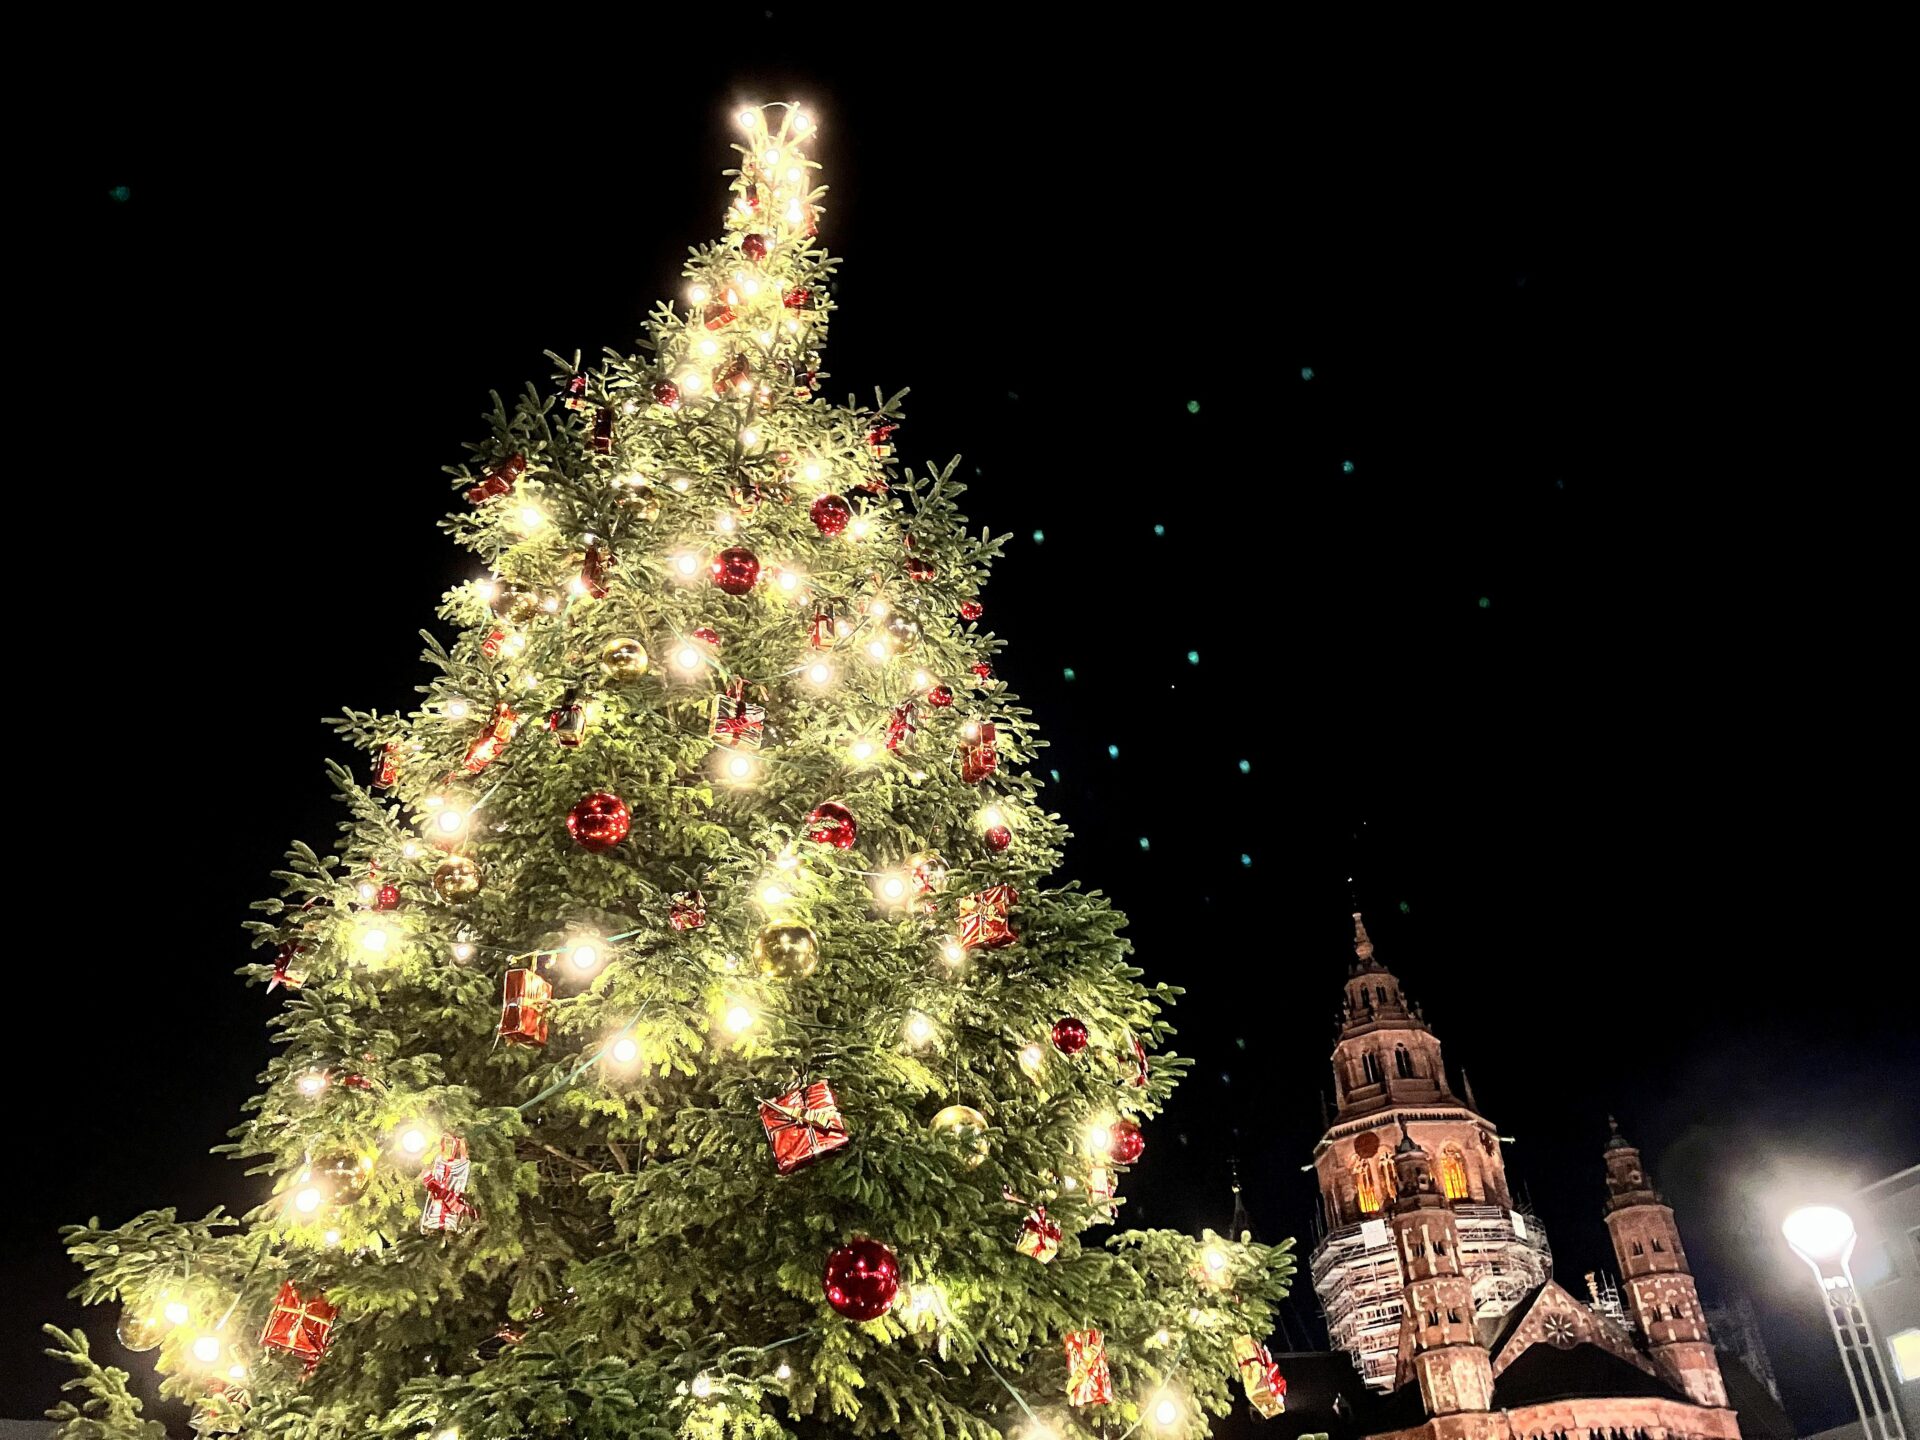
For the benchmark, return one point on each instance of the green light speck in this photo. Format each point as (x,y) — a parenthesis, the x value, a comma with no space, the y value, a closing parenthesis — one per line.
(1246,767)
(1145,844)
(1056,776)
(1486,602)
(1193,407)
(122,193)
(1193,657)
(1246,859)
(1068,672)
(1346,467)
(1113,752)
(1306,372)
(1405,909)
(1159,529)
(1039,537)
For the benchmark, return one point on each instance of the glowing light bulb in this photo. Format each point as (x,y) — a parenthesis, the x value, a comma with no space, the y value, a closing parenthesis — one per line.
(413,1140)
(366,891)
(487,590)
(699,294)
(1100,1137)
(312,1083)
(954,953)
(690,382)
(176,1313)
(585,956)
(236,1371)
(1166,1412)
(860,529)
(1033,1061)
(457,709)
(740,769)
(686,564)
(919,1029)
(772,157)
(1163,1336)
(331,1237)
(811,470)
(820,674)
(624,1051)
(702,1386)
(463,951)
(747,117)
(749,437)
(894,887)
(783,1371)
(861,751)
(206,1348)
(709,347)
(992,817)
(450,820)
(750,287)
(922,680)
(774,896)
(308,1199)
(531,517)
(877,651)
(788,580)
(880,609)
(795,213)
(802,123)
(739,1018)
(688,660)
(726,525)
(794,175)
(374,941)
(410,851)
(1214,1258)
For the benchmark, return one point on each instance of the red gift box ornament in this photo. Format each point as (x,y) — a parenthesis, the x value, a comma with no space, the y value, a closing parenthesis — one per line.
(299,1327)
(687,910)
(979,751)
(1088,1380)
(603,431)
(717,316)
(1266,1387)
(983,919)
(567,721)
(488,744)
(573,394)
(901,724)
(499,480)
(738,723)
(596,564)
(1039,1236)
(386,765)
(447,1206)
(802,1125)
(525,998)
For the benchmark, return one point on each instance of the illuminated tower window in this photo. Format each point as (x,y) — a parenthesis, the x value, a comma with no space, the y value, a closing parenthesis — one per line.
(1453,1173)
(1366,1187)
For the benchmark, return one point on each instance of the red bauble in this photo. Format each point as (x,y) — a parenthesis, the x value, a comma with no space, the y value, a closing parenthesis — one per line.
(387,897)
(918,569)
(998,837)
(830,514)
(940,696)
(735,569)
(797,298)
(706,634)
(599,822)
(666,393)
(1069,1035)
(861,1279)
(971,609)
(1125,1142)
(754,247)
(983,670)
(831,823)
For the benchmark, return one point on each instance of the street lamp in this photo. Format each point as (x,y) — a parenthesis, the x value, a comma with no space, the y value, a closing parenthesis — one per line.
(1823,1236)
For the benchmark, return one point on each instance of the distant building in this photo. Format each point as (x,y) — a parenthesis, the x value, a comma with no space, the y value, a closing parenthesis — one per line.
(1440,1289)
(1886,1275)
(1736,1329)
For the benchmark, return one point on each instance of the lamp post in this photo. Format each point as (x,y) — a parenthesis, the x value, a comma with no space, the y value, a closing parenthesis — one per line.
(1823,1236)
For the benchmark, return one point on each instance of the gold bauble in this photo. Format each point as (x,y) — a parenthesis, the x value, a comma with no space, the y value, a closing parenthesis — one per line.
(140,1330)
(624,659)
(902,631)
(342,1174)
(786,951)
(458,878)
(514,602)
(964,1125)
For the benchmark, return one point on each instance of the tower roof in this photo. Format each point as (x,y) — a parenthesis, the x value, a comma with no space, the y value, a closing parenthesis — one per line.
(1364,961)
(1616,1141)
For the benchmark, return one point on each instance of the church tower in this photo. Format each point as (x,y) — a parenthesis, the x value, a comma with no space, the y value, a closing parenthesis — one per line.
(1646,1241)
(1390,1080)
(1438,1346)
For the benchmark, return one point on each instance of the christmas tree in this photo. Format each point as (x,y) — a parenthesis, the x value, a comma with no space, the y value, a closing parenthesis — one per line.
(685,1038)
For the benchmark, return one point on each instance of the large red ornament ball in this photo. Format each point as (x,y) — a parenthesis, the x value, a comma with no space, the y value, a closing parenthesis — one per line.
(387,897)
(1069,1035)
(1126,1143)
(666,393)
(971,609)
(754,247)
(998,838)
(861,1279)
(735,569)
(831,823)
(831,514)
(599,822)
(940,696)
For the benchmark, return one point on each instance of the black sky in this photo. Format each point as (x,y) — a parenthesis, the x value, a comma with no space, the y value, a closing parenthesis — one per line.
(1587,647)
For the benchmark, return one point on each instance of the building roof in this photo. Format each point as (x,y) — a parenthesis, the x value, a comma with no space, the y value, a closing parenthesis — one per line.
(1584,1372)
(1761,1417)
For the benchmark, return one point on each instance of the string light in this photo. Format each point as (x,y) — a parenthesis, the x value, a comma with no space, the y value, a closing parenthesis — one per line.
(747,117)
(919,1030)
(413,1140)
(176,1312)
(624,1051)
(922,680)
(450,821)
(739,768)
(374,940)
(457,708)
(788,580)
(531,518)
(206,1348)
(990,818)
(739,1018)
(783,1372)
(894,887)
(463,951)
(585,956)
(1033,1060)
(702,1386)
(699,294)
(686,565)
(236,1371)
(1165,1411)
(331,1237)
(774,896)
(953,952)
(1215,1261)
(862,750)
(878,652)
(309,1198)
(311,1083)
(819,674)
(860,529)
(1100,1137)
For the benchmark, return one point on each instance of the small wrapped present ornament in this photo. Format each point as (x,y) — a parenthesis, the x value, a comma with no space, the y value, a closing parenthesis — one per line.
(826,626)
(447,1206)
(717,316)
(901,724)
(687,910)
(1266,1387)
(603,431)
(493,644)
(284,960)
(1039,1236)
(567,721)
(983,919)
(386,765)
(573,394)
(1088,1380)
(299,1327)
(738,723)
(802,1125)
(498,481)
(979,752)
(596,565)
(1100,1192)
(492,739)
(525,998)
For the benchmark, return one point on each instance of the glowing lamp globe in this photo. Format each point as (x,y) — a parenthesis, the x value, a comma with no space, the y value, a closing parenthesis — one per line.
(1819,1232)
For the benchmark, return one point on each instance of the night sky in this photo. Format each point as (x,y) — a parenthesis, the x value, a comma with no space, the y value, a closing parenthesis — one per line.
(1509,599)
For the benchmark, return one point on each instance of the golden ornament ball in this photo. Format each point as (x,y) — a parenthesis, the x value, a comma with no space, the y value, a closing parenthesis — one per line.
(965,1126)
(457,878)
(786,951)
(902,631)
(623,659)
(342,1174)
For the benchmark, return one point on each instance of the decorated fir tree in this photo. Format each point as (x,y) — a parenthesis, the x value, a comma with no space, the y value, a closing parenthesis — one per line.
(685,1038)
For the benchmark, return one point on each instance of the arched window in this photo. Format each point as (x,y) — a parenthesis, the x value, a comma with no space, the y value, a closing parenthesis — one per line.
(1370,1067)
(1381,991)
(1366,1190)
(1658,1247)
(1453,1173)
(1402,1062)
(1389,1180)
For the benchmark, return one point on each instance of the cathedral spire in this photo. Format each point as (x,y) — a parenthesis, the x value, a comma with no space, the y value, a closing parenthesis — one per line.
(1363,946)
